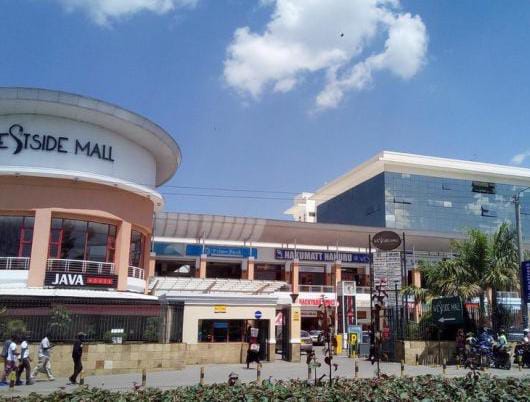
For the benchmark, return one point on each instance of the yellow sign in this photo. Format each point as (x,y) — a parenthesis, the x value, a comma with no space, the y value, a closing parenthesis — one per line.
(219,308)
(353,338)
(296,315)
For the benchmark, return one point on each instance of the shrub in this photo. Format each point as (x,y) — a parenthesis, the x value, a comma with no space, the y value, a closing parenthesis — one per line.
(423,388)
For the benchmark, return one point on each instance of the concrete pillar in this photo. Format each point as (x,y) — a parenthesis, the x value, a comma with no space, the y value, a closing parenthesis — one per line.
(202,266)
(295,274)
(150,271)
(123,246)
(294,337)
(336,272)
(39,248)
(250,269)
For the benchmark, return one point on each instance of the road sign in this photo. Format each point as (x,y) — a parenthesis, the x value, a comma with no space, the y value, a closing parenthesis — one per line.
(257,314)
(447,310)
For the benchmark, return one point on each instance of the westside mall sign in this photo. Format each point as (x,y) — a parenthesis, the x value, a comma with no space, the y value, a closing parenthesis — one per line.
(19,141)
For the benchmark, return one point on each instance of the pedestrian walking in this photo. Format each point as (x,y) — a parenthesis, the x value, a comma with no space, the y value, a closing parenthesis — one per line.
(24,363)
(5,349)
(12,357)
(253,352)
(77,354)
(45,365)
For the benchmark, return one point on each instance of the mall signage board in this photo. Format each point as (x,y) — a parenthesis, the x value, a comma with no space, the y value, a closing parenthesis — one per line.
(447,310)
(387,270)
(525,276)
(386,240)
(320,256)
(79,280)
(196,250)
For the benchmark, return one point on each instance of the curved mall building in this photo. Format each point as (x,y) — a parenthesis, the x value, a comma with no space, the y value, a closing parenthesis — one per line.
(78,179)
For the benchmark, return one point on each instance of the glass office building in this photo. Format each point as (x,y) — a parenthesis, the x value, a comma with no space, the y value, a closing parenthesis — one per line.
(414,192)
(434,204)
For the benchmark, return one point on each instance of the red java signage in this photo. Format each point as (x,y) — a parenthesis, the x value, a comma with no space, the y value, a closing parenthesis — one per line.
(75,280)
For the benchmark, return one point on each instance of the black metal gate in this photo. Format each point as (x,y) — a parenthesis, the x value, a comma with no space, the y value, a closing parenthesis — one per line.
(285,334)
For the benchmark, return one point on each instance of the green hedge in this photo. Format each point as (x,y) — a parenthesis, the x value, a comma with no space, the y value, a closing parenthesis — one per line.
(423,388)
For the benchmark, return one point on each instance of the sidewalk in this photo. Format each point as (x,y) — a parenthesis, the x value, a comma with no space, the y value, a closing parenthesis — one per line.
(278,370)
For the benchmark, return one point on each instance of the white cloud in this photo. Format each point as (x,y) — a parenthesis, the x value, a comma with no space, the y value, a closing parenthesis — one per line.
(337,37)
(518,159)
(103,11)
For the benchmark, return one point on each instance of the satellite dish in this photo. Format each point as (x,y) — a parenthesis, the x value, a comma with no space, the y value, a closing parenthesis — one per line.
(184,269)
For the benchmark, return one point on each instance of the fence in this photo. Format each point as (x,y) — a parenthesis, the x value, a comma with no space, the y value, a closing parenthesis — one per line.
(403,325)
(63,318)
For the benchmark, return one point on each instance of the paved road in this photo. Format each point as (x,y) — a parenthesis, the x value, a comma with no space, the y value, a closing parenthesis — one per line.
(278,370)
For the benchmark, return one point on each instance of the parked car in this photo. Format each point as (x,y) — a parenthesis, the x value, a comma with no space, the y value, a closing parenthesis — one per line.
(317,337)
(306,343)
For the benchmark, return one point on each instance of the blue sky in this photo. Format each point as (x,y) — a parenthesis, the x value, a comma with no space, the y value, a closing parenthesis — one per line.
(459,87)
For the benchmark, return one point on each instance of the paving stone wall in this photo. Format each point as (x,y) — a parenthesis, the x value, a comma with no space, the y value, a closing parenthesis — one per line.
(132,358)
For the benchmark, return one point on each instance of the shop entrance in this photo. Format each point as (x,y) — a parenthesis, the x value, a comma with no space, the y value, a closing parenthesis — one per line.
(223,270)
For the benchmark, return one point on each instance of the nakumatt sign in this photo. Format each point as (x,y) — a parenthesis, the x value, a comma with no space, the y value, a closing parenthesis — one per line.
(18,140)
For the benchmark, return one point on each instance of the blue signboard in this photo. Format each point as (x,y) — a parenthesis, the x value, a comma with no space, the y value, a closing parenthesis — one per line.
(257,314)
(196,250)
(525,268)
(320,256)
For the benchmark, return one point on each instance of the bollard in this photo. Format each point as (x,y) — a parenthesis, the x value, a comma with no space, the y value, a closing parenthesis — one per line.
(144,377)
(258,373)
(12,379)
(519,362)
(82,377)
(356,368)
(402,368)
(417,359)
(308,372)
(201,378)
(444,366)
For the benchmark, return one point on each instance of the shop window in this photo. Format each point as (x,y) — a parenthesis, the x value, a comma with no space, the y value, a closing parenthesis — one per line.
(82,240)
(312,276)
(175,268)
(483,187)
(223,270)
(16,236)
(268,272)
(362,315)
(221,330)
(136,251)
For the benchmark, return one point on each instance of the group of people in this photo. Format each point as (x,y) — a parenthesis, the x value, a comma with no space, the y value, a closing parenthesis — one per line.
(17,359)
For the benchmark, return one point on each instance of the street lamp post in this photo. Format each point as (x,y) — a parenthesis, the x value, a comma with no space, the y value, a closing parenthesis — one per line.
(517,202)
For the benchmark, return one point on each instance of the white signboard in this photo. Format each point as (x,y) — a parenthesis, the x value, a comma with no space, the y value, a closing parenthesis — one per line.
(387,270)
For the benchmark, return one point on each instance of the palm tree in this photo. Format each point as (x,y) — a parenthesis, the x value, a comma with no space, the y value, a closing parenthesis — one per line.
(483,264)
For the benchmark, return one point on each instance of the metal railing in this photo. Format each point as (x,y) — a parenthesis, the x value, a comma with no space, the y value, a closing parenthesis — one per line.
(316,288)
(14,263)
(135,272)
(80,266)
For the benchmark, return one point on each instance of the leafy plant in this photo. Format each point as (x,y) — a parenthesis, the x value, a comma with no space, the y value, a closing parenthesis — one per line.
(151,329)
(60,322)
(423,388)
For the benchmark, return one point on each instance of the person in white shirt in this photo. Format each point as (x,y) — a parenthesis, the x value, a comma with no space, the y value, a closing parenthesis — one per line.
(12,357)
(24,362)
(44,365)
(526,337)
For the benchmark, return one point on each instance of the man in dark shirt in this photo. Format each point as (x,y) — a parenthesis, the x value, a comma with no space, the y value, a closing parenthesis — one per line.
(77,353)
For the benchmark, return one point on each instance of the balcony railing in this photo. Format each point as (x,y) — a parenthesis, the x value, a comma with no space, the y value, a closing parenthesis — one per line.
(14,263)
(80,266)
(316,288)
(135,272)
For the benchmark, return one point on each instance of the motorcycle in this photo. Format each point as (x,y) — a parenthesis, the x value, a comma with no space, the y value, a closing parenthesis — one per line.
(501,357)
